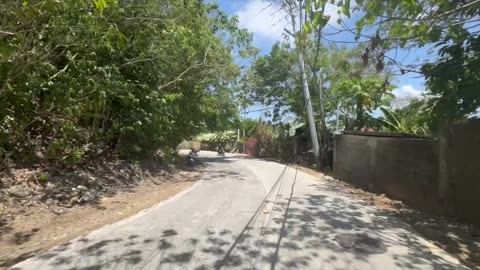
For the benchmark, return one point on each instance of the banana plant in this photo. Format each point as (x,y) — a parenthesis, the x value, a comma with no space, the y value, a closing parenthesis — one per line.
(394,123)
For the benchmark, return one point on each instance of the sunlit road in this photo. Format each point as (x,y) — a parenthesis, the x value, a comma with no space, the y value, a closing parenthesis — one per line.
(251,214)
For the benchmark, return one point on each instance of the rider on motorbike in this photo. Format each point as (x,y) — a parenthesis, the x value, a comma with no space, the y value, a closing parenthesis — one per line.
(193,152)
(220,150)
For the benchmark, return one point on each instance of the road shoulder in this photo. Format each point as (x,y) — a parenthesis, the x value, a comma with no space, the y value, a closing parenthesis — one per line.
(460,240)
(36,228)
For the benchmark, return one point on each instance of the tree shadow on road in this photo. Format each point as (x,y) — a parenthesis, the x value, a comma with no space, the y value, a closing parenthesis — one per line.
(217,159)
(310,231)
(450,234)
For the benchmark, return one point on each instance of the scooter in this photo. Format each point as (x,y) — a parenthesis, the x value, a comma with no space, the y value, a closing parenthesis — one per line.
(220,151)
(194,152)
(192,157)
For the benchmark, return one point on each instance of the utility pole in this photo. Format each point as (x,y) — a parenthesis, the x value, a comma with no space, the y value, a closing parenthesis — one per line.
(322,112)
(306,91)
(337,128)
(244,140)
(243,106)
(317,74)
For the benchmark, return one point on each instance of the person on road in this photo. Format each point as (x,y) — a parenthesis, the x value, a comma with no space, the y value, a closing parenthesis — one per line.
(220,150)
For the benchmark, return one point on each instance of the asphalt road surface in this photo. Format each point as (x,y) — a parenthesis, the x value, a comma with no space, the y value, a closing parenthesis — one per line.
(251,214)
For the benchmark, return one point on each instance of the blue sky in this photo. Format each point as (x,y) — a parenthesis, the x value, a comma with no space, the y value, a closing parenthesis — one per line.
(267,21)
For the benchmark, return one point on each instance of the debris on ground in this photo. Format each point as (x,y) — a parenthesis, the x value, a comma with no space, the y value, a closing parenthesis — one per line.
(44,207)
(65,187)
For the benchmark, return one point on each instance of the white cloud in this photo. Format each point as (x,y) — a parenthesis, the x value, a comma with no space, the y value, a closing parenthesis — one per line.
(404,95)
(407,91)
(268,19)
(332,11)
(264,18)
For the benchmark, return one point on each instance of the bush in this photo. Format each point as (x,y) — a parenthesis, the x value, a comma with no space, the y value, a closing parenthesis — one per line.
(84,78)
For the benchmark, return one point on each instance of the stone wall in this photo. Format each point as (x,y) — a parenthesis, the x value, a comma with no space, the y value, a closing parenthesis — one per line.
(440,175)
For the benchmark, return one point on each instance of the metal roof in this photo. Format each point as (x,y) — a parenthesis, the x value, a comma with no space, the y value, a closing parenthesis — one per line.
(293,128)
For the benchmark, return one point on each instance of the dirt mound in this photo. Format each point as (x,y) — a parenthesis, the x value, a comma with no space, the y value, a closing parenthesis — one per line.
(66,187)
(44,206)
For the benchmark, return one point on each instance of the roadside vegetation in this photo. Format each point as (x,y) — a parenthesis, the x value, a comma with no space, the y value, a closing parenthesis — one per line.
(94,98)
(353,81)
(97,94)
(83,79)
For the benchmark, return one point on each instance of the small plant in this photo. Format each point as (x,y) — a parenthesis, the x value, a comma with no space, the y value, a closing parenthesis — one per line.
(74,157)
(42,179)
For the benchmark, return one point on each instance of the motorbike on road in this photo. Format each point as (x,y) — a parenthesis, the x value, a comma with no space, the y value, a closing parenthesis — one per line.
(220,151)
(194,152)
(192,157)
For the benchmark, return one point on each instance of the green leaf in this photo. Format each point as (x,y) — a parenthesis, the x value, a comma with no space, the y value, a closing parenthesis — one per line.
(306,27)
(346,8)
(370,19)
(359,26)
(435,33)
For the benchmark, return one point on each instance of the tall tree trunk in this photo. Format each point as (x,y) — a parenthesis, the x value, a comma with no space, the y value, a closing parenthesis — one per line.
(322,114)
(306,91)
(317,78)
(359,120)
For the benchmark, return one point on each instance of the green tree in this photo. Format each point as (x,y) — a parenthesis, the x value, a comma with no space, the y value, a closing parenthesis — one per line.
(82,78)
(404,120)
(451,26)
(453,82)
(347,83)
(274,82)
(359,97)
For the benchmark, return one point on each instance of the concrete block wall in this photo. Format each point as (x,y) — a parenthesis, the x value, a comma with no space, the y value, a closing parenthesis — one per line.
(439,175)
(460,158)
(403,168)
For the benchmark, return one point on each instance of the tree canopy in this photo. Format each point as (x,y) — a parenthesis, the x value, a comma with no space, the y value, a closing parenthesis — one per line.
(346,82)
(80,78)
(451,27)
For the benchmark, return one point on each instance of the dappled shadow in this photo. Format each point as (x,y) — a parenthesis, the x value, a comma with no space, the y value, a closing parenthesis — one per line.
(217,159)
(459,239)
(22,237)
(17,238)
(455,238)
(309,232)
(22,257)
(239,156)
(315,230)
(105,253)
(61,194)
(4,226)
(222,175)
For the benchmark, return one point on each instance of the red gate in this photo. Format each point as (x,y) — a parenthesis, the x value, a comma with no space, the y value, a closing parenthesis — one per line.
(250,146)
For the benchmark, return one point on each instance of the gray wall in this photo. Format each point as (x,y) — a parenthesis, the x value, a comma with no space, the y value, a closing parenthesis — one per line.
(441,175)
(460,167)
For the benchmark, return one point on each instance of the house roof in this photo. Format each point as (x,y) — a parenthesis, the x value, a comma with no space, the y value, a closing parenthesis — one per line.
(293,128)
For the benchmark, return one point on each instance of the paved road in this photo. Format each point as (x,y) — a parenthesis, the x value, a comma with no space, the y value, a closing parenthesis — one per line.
(251,214)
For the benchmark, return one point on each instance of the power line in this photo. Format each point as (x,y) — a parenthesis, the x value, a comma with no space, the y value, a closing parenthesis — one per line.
(260,110)
(344,41)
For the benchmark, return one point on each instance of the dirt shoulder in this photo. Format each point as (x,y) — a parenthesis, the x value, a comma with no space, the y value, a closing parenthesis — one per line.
(29,230)
(460,240)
